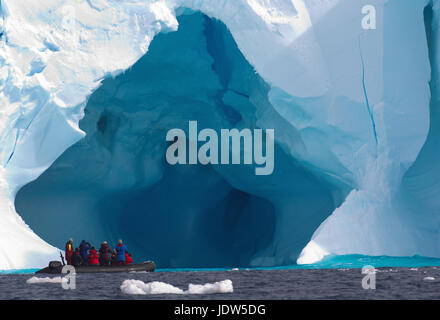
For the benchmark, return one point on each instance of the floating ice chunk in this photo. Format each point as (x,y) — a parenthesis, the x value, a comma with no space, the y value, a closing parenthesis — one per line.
(209,288)
(45,280)
(428,279)
(138,287)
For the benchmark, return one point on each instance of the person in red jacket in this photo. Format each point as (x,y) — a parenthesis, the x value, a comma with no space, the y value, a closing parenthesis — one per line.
(93,257)
(69,251)
(128,259)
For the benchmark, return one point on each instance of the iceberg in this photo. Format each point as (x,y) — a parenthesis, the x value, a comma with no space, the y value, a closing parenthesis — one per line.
(89,89)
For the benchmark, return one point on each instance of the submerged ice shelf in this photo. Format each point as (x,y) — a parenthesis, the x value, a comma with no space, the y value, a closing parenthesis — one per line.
(86,104)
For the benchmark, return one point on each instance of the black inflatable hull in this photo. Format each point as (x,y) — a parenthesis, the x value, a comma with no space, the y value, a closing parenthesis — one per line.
(147,266)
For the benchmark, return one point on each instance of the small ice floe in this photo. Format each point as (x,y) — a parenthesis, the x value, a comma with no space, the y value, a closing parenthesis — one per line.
(45,280)
(234,269)
(156,287)
(414,269)
(428,279)
(210,288)
(140,287)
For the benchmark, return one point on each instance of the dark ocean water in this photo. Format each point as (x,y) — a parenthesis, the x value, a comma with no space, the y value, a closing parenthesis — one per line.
(391,283)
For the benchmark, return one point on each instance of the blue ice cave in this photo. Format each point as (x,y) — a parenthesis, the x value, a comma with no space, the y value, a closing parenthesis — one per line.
(116,183)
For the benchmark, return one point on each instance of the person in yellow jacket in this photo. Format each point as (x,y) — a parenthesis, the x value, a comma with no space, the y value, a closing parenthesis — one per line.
(69,251)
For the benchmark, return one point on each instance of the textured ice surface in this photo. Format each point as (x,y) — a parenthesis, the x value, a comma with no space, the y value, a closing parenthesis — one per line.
(355,114)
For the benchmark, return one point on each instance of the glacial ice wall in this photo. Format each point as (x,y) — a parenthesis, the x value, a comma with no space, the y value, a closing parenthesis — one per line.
(354,113)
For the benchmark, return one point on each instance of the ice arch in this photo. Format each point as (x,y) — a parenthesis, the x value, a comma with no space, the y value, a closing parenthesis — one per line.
(115,182)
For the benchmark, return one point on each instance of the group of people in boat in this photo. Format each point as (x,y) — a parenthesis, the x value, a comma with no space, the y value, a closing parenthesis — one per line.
(87,255)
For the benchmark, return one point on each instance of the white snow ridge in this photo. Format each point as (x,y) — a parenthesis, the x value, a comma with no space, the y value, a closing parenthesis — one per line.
(139,287)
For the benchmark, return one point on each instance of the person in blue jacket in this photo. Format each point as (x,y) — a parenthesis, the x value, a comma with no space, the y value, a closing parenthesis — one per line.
(84,248)
(121,250)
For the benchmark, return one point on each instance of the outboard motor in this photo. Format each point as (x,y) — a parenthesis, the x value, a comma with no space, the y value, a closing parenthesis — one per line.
(55,265)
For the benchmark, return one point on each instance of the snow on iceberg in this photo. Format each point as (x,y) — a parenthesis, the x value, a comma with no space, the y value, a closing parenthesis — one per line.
(88,88)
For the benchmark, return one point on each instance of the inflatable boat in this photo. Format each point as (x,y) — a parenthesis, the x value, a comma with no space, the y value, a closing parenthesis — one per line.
(56,267)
